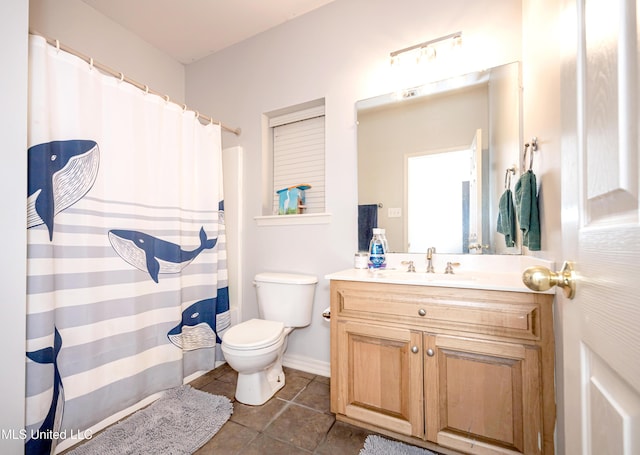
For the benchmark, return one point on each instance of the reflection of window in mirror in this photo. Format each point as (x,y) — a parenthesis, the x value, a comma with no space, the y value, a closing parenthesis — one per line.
(437,202)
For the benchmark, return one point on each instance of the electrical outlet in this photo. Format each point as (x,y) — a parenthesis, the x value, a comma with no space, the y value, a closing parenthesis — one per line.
(395,212)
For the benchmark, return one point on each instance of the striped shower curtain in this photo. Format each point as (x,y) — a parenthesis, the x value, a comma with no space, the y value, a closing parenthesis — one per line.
(127,280)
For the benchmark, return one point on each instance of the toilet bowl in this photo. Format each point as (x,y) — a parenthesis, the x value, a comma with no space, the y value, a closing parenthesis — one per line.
(255,348)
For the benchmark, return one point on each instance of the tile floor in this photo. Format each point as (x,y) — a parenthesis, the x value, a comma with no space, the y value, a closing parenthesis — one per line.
(297,420)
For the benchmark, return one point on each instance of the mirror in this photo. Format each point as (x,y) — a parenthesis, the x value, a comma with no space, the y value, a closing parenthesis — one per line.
(433,162)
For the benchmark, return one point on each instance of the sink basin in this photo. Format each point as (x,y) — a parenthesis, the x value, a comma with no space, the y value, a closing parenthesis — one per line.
(401,275)
(473,273)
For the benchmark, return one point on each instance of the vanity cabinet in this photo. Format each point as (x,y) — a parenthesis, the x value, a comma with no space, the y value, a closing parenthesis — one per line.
(467,369)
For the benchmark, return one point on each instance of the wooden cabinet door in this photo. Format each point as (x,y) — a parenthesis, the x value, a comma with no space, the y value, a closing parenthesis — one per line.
(483,397)
(380,379)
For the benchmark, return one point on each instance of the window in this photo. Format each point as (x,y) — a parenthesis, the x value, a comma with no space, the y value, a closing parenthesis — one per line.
(298,155)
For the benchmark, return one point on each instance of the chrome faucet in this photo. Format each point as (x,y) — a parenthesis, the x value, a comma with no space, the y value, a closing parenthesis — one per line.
(477,246)
(430,252)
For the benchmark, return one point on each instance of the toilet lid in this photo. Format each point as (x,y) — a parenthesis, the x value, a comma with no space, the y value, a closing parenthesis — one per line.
(285,278)
(253,334)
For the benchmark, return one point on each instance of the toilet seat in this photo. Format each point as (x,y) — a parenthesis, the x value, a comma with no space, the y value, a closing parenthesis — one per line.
(253,334)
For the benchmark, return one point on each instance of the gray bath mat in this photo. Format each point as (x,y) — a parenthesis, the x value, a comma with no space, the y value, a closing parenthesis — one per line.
(376,445)
(179,422)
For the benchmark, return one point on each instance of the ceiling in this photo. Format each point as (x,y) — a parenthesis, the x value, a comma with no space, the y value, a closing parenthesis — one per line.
(189,30)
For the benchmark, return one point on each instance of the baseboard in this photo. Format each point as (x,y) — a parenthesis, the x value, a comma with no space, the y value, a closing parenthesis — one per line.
(307,364)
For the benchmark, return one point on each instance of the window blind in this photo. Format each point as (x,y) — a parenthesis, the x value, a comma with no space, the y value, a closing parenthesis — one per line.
(298,157)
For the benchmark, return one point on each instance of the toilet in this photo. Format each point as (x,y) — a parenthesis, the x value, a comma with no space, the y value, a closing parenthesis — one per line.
(255,348)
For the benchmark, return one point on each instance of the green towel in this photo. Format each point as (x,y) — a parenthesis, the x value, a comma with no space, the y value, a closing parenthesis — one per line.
(506,218)
(527,210)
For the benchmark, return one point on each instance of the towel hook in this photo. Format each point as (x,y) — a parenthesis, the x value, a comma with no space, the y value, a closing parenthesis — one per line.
(533,147)
(507,177)
(524,158)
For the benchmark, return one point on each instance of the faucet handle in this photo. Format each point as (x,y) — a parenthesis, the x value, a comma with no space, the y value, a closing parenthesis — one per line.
(411,267)
(450,266)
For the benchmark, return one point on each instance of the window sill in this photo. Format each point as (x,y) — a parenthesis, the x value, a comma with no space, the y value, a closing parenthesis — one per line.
(285,220)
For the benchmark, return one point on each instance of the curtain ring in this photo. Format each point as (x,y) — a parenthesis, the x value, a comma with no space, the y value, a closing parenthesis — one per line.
(184,108)
(121,77)
(146,89)
(166,98)
(197,115)
(91,63)
(58,46)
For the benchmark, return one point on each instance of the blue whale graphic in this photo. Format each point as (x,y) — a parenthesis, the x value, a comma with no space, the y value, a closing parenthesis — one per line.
(153,255)
(198,327)
(60,173)
(53,419)
(202,323)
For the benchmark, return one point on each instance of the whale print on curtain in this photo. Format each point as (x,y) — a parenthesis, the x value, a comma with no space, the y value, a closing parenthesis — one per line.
(127,280)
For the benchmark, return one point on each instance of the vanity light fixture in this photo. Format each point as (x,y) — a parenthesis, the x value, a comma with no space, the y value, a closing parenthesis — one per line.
(427,49)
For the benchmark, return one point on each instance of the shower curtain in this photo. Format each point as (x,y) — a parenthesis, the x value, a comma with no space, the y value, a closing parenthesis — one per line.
(127,280)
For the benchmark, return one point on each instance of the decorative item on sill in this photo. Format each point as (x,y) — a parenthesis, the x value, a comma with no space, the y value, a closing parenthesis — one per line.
(292,199)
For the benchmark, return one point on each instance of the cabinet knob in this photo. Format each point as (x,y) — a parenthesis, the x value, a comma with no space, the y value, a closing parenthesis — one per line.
(430,352)
(414,349)
(422,312)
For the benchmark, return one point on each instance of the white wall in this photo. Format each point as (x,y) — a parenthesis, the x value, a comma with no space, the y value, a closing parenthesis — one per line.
(339,52)
(79,26)
(543,32)
(13,187)
(542,41)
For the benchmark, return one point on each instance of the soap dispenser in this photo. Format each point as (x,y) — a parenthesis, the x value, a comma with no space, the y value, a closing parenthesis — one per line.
(383,235)
(377,249)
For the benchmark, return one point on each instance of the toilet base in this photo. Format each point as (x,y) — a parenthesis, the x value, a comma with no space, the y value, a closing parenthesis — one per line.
(255,389)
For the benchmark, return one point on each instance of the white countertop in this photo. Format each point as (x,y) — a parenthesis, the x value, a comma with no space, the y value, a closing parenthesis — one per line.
(489,273)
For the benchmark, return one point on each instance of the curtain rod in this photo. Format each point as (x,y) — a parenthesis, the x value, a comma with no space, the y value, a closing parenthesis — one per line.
(203,118)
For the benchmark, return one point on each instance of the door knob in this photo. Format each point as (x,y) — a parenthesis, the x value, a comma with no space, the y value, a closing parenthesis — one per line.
(540,278)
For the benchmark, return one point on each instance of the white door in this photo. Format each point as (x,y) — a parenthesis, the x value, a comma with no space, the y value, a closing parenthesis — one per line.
(600,224)
(475,194)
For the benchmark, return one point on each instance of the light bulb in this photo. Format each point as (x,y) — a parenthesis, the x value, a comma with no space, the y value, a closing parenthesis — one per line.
(457,41)
(430,52)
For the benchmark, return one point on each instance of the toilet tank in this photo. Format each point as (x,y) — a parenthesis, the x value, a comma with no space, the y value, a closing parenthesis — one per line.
(286,297)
